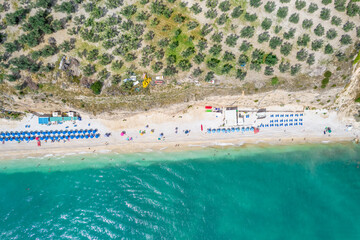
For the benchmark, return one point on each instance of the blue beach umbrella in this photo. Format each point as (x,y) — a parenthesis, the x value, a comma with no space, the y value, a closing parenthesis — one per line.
(77,136)
(82,136)
(233,129)
(46,138)
(72,136)
(97,135)
(61,137)
(3,134)
(238,129)
(91,136)
(27,139)
(218,130)
(247,129)
(1,139)
(252,129)
(32,138)
(86,136)
(209,130)
(94,131)
(223,130)
(41,138)
(10,139)
(7,133)
(90,130)
(12,133)
(243,129)
(214,130)
(21,139)
(6,139)
(17,139)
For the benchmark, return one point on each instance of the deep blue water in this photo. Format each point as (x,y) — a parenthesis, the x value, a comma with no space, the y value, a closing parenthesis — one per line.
(299,192)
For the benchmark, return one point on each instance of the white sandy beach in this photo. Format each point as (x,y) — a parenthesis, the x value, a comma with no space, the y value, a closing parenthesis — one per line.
(184,117)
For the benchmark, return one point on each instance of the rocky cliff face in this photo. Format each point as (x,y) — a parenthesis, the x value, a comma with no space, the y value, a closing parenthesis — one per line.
(346,102)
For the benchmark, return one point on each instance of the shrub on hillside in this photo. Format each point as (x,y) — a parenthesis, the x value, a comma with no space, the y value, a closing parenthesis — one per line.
(286,48)
(328,49)
(275,42)
(215,50)
(245,46)
(303,40)
(266,24)
(345,39)
(263,37)
(307,23)
(231,40)
(195,8)
(284,67)
(301,55)
(255,3)
(290,34)
(325,14)
(271,59)
(336,21)
(96,87)
(317,44)
(313,7)
(331,34)
(225,6)
(270,6)
(294,18)
(240,74)
(16,17)
(295,69)
(247,32)
(348,26)
(268,71)
(237,11)
(300,4)
(282,12)
(222,19)
(319,30)
(226,68)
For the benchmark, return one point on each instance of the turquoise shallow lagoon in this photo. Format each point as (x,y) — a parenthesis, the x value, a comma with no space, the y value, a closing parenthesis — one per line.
(282,192)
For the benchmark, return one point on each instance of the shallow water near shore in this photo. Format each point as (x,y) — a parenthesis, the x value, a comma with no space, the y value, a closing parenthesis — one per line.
(256,192)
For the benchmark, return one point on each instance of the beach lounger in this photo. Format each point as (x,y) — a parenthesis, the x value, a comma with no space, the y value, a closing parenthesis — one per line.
(281,124)
(290,124)
(300,124)
(295,120)
(266,125)
(301,114)
(272,115)
(271,125)
(277,115)
(291,115)
(286,115)
(300,119)
(276,120)
(282,115)
(286,124)
(296,115)
(281,120)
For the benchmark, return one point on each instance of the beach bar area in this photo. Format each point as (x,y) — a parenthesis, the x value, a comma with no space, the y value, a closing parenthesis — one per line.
(58,117)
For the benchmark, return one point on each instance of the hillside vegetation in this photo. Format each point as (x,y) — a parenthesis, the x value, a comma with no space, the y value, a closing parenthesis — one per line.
(245,44)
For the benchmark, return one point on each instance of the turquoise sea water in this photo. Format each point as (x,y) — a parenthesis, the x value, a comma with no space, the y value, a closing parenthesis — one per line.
(298,192)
